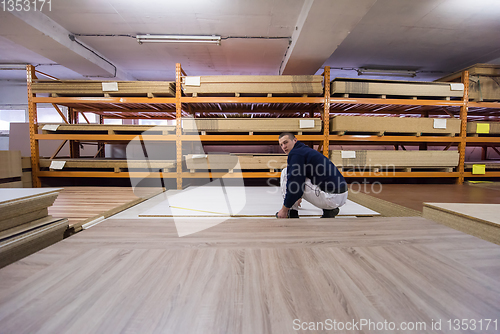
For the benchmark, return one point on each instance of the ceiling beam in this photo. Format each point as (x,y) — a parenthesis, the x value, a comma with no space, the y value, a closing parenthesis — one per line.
(40,34)
(321,26)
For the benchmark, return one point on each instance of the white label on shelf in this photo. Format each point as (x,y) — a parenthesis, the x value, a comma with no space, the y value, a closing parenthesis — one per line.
(306,123)
(110,86)
(457,86)
(199,156)
(348,154)
(57,164)
(50,127)
(193,81)
(439,123)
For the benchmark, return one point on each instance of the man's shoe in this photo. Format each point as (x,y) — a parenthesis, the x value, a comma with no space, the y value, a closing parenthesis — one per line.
(293,213)
(330,213)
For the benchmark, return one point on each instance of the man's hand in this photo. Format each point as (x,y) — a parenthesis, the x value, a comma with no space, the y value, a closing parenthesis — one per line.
(283,213)
(299,202)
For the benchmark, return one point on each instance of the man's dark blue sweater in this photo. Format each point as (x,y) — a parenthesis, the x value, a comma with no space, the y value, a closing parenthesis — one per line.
(304,162)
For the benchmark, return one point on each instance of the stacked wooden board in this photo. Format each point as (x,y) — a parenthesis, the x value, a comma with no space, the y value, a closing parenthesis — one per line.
(230,162)
(116,164)
(254,84)
(104,88)
(25,226)
(275,125)
(483,127)
(106,129)
(387,125)
(11,170)
(396,88)
(484,81)
(388,160)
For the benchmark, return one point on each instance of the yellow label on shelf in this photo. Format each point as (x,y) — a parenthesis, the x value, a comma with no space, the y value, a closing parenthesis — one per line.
(483,128)
(478,169)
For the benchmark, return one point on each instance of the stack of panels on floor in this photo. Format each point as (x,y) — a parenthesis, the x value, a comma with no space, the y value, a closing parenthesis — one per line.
(275,125)
(11,170)
(255,161)
(103,88)
(25,226)
(396,88)
(254,84)
(484,81)
(396,159)
(386,125)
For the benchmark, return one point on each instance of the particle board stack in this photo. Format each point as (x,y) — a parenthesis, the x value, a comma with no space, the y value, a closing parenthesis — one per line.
(484,81)
(204,162)
(396,88)
(25,226)
(116,164)
(483,127)
(104,88)
(376,160)
(11,170)
(50,128)
(254,84)
(275,125)
(386,125)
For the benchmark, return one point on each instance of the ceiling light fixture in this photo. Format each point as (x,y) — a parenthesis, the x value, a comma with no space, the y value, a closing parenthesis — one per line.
(13,66)
(213,39)
(391,73)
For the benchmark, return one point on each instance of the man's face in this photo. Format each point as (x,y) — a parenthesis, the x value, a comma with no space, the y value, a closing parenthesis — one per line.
(286,144)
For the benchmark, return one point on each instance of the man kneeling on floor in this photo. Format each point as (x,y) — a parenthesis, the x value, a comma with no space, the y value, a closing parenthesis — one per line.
(311,176)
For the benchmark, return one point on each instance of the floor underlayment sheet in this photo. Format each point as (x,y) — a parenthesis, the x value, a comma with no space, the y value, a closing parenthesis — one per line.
(236,202)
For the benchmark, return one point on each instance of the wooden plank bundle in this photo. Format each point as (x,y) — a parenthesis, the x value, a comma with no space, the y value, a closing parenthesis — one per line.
(255,161)
(110,163)
(395,88)
(396,159)
(484,81)
(254,84)
(275,125)
(104,88)
(25,226)
(11,169)
(106,128)
(382,125)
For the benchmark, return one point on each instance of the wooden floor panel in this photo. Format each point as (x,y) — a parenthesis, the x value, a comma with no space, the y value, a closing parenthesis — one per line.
(414,195)
(252,276)
(79,204)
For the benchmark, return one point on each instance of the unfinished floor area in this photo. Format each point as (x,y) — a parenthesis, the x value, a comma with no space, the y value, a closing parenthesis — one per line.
(254,275)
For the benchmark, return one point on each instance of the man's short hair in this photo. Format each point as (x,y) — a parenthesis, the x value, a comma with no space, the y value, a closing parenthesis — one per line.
(290,135)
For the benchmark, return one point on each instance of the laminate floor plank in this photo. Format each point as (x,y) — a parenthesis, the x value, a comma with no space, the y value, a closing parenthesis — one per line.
(253,276)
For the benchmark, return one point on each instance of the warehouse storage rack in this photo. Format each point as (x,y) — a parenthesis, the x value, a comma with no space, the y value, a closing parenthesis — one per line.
(180,106)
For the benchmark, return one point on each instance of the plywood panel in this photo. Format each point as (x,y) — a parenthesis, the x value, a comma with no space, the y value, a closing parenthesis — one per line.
(394,87)
(392,125)
(260,84)
(232,161)
(380,158)
(276,125)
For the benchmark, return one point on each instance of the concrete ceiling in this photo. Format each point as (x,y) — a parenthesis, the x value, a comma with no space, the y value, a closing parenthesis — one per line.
(433,37)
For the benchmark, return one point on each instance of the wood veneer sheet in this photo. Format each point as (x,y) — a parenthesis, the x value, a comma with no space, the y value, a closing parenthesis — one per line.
(485,212)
